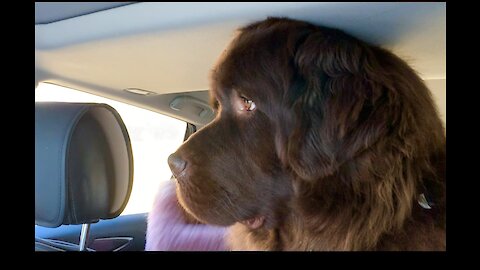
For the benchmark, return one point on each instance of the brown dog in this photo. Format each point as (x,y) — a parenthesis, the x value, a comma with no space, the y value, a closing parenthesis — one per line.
(321,142)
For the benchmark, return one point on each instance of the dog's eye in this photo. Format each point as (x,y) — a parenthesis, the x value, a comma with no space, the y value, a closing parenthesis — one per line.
(248,105)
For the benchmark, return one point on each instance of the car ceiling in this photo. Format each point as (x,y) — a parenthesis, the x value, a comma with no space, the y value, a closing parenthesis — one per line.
(56,11)
(170,48)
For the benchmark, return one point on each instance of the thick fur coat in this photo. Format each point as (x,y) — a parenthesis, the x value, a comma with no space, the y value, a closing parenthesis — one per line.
(321,142)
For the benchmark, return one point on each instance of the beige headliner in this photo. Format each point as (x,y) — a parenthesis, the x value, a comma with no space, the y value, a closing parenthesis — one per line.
(171,47)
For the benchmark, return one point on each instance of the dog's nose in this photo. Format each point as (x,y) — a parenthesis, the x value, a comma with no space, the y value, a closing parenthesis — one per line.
(177,164)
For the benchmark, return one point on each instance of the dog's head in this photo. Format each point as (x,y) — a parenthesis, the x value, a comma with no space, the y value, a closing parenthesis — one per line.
(301,103)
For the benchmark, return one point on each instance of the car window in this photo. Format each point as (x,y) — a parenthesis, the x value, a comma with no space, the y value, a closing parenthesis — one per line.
(153,137)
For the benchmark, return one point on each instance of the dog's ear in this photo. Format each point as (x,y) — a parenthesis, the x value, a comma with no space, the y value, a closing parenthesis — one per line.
(339,103)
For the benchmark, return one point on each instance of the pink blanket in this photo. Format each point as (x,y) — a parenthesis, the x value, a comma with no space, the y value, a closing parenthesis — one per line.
(167,230)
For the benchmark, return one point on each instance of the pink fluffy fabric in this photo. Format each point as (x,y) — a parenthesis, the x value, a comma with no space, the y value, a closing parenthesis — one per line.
(167,230)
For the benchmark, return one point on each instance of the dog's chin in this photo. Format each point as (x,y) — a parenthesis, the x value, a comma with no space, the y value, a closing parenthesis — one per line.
(253,222)
(204,215)
(225,219)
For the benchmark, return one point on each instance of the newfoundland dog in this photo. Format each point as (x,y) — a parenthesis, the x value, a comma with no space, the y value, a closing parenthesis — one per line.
(321,141)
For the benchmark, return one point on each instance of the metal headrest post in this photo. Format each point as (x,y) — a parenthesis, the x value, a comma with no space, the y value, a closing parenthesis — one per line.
(84,236)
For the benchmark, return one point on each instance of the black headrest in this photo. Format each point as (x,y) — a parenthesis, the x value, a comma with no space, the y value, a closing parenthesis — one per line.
(83,163)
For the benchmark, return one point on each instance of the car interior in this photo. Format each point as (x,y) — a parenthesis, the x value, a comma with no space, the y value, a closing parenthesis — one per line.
(159,56)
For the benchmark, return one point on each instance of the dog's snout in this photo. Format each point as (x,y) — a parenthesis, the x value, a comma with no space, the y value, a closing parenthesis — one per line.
(177,164)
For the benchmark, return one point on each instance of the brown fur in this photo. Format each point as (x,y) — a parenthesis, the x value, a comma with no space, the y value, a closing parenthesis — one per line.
(344,139)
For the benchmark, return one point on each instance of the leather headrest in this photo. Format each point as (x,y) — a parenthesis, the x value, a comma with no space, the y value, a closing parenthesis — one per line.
(83,163)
